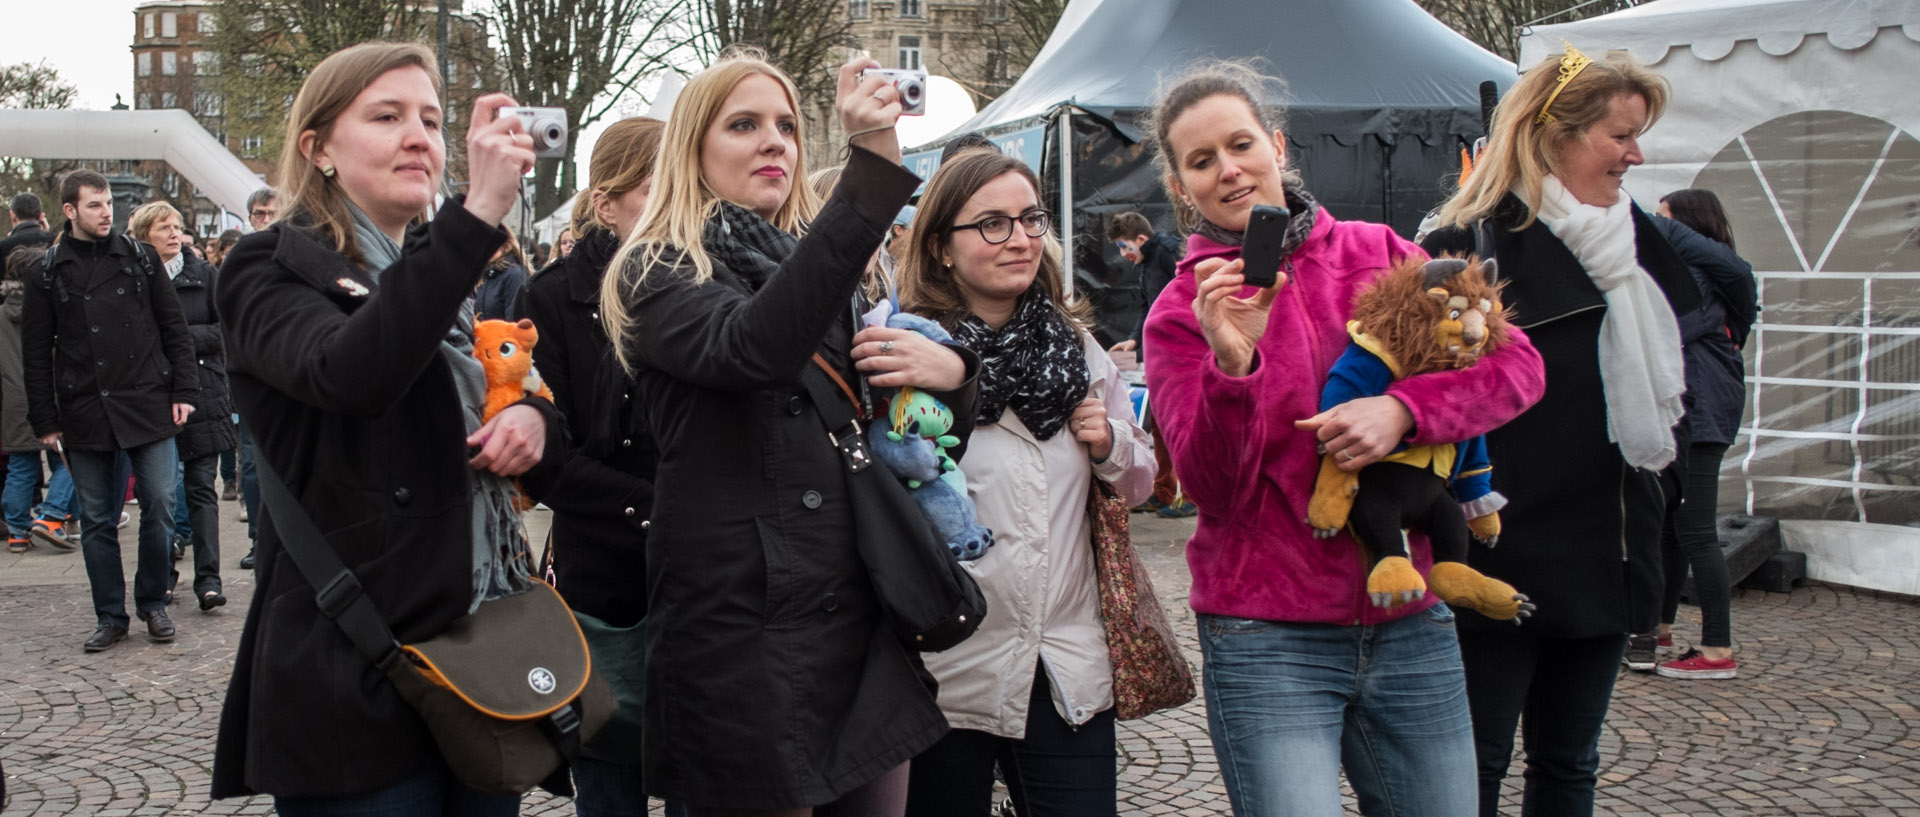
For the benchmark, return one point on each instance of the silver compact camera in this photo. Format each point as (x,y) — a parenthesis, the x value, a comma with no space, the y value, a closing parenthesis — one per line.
(547,126)
(911,84)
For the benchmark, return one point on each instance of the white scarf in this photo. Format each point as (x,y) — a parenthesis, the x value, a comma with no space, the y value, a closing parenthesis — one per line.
(1641,369)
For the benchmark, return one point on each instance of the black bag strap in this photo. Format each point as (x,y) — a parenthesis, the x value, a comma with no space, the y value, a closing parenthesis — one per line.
(336,590)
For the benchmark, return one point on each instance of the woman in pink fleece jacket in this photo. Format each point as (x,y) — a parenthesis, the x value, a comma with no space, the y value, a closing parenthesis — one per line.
(1303,675)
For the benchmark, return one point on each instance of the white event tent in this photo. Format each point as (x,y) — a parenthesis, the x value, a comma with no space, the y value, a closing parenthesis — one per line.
(1802,116)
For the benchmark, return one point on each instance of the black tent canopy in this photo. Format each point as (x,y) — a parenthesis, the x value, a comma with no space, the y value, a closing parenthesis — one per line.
(1380,98)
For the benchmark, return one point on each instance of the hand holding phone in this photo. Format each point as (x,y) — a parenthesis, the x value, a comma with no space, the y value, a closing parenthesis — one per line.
(1266,233)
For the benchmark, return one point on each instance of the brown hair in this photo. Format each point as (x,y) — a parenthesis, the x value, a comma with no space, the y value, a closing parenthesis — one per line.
(1396,311)
(22,261)
(1701,210)
(928,287)
(1129,224)
(623,158)
(1523,150)
(328,91)
(71,184)
(1240,79)
(147,215)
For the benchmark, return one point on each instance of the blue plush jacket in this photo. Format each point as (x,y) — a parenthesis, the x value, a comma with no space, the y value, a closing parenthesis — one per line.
(1366,370)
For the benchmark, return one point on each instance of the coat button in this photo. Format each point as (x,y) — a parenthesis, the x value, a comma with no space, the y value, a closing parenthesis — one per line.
(402,496)
(646,524)
(627,443)
(628,511)
(104,392)
(830,603)
(811,499)
(96,329)
(120,291)
(793,405)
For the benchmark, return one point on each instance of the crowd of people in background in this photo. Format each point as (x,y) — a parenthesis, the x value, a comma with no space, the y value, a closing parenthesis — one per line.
(701,504)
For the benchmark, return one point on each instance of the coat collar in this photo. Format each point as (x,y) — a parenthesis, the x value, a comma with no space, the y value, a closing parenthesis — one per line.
(587,265)
(319,265)
(1552,284)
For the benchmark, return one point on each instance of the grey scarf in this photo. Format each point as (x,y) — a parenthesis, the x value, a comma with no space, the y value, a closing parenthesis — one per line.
(502,562)
(1301,206)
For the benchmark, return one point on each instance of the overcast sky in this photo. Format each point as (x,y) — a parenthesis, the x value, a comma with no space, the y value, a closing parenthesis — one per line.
(87,41)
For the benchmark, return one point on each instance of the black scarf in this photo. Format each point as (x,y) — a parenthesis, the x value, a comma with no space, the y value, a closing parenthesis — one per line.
(1301,207)
(746,244)
(1035,364)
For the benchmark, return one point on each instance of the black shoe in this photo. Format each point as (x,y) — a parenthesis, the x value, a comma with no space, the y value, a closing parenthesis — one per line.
(1642,652)
(107,636)
(179,546)
(159,627)
(246,562)
(230,493)
(210,599)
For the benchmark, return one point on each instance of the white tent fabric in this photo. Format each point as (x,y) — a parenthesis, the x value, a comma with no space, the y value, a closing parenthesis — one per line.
(172,135)
(1802,116)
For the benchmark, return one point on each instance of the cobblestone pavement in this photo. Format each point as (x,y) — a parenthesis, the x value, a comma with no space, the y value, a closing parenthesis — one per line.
(1818,723)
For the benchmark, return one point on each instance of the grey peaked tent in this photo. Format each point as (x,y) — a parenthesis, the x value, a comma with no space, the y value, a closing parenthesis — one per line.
(1380,97)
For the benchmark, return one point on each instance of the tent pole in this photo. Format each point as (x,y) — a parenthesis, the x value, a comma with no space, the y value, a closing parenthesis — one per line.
(1066,195)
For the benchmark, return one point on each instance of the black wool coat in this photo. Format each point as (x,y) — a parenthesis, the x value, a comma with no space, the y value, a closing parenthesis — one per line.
(1712,334)
(210,428)
(342,382)
(24,234)
(773,679)
(105,348)
(1581,534)
(603,495)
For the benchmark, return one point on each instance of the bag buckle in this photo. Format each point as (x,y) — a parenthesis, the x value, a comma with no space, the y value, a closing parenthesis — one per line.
(339,594)
(853,447)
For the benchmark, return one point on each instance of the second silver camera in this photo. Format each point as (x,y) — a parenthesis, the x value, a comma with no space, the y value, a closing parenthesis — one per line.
(911,84)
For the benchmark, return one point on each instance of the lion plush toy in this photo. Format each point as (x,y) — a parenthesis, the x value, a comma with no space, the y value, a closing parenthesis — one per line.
(1419,318)
(505,352)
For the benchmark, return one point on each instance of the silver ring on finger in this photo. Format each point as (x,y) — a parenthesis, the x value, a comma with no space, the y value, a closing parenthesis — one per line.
(886,347)
(877,95)
(1346,455)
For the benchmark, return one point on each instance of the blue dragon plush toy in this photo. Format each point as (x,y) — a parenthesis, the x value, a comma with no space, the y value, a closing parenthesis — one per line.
(913,439)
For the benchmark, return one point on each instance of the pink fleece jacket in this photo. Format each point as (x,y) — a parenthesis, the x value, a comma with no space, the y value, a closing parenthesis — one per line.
(1251,472)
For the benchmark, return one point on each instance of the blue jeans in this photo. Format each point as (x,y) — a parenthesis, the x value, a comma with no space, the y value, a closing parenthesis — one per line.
(101,496)
(1558,690)
(23,473)
(1057,770)
(1289,705)
(182,522)
(434,793)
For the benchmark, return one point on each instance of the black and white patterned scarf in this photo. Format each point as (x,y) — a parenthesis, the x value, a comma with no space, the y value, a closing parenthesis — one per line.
(1035,364)
(746,244)
(1302,209)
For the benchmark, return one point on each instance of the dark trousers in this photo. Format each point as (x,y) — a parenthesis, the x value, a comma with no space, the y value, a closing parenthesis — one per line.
(884,796)
(1055,771)
(249,484)
(102,493)
(1394,497)
(1557,690)
(203,514)
(1692,539)
(434,793)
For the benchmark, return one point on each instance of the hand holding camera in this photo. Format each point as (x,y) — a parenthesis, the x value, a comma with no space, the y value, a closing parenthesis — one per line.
(499,153)
(869,107)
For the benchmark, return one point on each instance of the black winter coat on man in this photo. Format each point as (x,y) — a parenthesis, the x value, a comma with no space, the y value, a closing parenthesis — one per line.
(105,346)
(24,234)
(774,680)
(209,430)
(603,496)
(343,384)
(1581,532)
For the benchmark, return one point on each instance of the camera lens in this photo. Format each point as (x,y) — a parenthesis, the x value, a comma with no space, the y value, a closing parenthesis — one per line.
(910,91)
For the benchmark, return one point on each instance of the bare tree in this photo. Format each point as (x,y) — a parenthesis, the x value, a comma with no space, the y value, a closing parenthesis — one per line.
(1013,35)
(1495,24)
(39,86)
(805,38)
(582,55)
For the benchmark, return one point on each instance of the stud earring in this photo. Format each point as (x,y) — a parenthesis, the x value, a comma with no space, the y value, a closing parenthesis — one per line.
(327,171)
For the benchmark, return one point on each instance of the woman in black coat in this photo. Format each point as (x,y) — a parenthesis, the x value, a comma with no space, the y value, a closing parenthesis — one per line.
(603,494)
(1697,228)
(209,430)
(344,323)
(1589,471)
(774,681)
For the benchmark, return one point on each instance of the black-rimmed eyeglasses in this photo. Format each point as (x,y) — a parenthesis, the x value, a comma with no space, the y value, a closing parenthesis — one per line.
(997,229)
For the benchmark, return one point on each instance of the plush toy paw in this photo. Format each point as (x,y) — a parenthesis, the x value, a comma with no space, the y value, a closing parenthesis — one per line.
(1486,528)
(1461,586)
(972,545)
(1394,582)
(1332,499)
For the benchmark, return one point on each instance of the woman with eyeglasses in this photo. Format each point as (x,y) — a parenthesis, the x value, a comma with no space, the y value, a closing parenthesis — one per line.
(1033,689)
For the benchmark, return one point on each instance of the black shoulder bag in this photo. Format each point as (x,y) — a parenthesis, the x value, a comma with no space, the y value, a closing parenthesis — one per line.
(508,691)
(931,599)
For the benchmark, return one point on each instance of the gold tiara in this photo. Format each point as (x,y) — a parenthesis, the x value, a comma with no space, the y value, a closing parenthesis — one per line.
(1571,64)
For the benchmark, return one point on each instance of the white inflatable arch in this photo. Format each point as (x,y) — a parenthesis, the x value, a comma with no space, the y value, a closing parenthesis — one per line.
(170,135)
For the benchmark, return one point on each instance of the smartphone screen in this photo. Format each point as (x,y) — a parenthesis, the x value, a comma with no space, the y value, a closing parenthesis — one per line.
(1266,232)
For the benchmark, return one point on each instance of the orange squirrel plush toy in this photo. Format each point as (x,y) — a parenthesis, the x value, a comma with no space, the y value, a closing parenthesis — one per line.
(505,351)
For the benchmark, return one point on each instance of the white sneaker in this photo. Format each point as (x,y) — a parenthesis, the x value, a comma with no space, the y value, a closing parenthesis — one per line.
(124,519)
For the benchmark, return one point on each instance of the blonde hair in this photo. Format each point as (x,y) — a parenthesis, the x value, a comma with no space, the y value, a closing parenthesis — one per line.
(147,215)
(1523,150)
(929,287)
(677,213)
(324,97)
(623,158)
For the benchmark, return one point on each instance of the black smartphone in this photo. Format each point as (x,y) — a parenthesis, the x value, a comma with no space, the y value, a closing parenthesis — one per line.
(1266,232)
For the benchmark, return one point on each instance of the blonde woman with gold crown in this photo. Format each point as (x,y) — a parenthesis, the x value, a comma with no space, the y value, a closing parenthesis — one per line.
(1590,470)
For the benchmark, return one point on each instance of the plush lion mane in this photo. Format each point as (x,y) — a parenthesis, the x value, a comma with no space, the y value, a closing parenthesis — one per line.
(1397,311)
